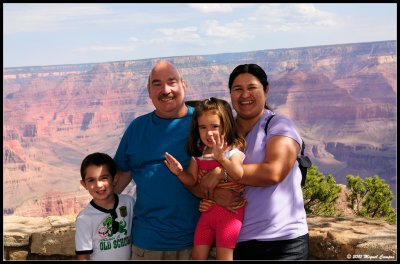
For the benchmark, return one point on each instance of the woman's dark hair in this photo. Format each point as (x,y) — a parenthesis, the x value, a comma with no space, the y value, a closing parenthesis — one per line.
(98,159)
(252,69)
(218,107)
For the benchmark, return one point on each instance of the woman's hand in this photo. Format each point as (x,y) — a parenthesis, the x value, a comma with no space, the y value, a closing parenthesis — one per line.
(208,181)
(200,174)
(227,198)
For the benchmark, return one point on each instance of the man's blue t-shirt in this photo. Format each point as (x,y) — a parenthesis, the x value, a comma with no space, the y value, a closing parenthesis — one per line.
(166,212)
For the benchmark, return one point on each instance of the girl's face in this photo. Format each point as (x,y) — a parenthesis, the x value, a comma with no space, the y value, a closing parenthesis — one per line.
(99,183)
(209,127)
(248,96)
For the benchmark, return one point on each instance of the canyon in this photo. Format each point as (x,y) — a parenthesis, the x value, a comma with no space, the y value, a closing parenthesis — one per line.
(342,99)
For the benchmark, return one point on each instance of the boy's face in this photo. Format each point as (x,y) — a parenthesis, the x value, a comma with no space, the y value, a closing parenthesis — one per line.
(98,182)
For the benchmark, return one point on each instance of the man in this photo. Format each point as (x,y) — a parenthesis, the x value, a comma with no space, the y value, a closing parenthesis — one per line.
(166,212)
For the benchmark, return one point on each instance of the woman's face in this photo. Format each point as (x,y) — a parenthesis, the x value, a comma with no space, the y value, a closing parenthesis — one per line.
(247,96)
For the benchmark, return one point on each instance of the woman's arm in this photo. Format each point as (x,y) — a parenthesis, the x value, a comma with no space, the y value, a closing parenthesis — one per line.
(281,154)
(224,197)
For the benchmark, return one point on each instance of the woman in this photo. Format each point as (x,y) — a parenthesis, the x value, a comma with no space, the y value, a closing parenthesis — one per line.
(274,225)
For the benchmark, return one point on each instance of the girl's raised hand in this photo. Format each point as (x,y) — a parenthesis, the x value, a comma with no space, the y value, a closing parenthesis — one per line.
(173,164)
(219,147)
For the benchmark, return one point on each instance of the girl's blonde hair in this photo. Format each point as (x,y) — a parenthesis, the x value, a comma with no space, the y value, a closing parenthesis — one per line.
(222,108)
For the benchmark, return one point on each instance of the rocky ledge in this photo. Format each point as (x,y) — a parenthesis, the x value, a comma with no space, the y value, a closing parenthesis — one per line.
(331,238)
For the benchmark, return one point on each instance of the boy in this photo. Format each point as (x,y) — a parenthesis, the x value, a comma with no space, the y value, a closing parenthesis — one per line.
(103,228)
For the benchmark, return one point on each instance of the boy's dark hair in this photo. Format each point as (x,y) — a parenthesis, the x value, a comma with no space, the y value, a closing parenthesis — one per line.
(98,159)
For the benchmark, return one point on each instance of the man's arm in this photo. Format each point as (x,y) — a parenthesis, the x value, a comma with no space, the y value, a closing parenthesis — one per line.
(122,179)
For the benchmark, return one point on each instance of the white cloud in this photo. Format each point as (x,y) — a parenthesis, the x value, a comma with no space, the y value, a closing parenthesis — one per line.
(291,17)
(123,48)
(177,31)
(185,34)
(133,39)
(308,12)
(234,30)
(159,29)
(213,8)
(50,17)
(209,32)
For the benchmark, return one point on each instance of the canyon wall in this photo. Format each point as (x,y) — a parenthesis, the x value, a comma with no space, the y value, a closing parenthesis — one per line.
(341,97)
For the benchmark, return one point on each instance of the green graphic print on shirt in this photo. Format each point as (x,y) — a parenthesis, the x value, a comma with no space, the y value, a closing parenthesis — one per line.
(111,232)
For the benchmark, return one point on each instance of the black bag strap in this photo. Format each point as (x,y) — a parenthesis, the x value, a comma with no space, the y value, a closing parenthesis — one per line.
(300,159)
(303,146)
(266,125)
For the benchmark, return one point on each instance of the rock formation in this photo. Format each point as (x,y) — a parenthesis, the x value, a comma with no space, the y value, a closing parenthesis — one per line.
(341,97)
(331,238)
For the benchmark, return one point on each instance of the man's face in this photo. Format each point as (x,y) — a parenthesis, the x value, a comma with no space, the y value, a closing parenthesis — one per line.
(167,91)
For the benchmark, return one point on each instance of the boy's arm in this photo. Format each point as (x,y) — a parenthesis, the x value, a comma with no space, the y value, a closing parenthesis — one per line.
(83,257)
(122,179)
(83,238)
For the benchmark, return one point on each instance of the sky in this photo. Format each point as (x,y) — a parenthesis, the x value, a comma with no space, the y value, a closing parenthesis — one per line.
(73,33)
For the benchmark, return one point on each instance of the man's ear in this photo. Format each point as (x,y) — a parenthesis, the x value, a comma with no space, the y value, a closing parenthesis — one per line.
(83,184)
(148,89)
(183,84)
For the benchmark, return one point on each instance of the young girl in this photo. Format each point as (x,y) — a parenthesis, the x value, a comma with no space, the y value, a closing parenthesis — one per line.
(214,141)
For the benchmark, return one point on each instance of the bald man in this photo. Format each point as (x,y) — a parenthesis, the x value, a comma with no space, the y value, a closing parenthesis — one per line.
(166,212)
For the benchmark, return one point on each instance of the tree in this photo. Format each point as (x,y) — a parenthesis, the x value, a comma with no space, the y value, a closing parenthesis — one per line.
(320,193)
(370,197)
(356,194)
